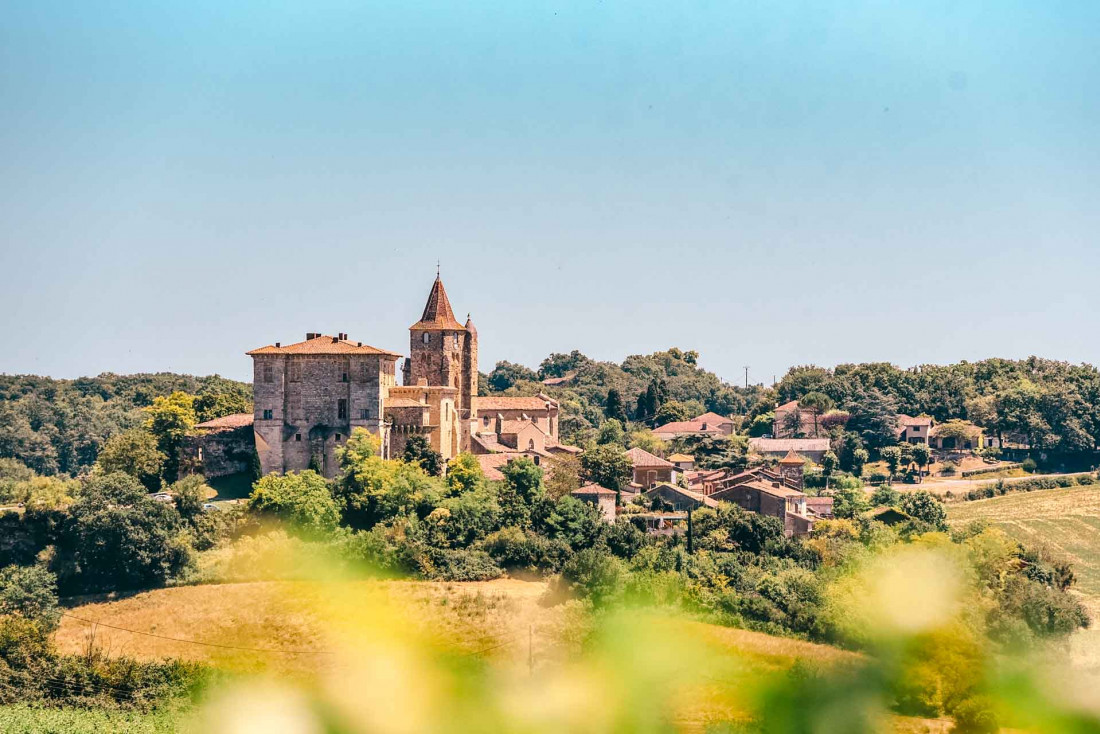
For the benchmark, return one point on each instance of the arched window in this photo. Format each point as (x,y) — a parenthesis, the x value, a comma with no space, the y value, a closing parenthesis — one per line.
(426,338)
(531,444)
(456,341)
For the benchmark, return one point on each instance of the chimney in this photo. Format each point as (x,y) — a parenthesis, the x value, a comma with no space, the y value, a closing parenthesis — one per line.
(335,339)
(278,344)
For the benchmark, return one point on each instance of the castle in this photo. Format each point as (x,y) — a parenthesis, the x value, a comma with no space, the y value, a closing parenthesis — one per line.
(310,395)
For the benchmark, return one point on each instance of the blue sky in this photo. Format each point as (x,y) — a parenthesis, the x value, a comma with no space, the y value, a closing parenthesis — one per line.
(769,183)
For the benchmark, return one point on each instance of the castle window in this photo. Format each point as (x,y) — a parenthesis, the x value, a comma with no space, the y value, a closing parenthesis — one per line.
(364,414)
(343,377)
(297,437)
(485,420)
(426,338)
(268,415)
(339,438)
(268,377)
(456,341)
(342,410)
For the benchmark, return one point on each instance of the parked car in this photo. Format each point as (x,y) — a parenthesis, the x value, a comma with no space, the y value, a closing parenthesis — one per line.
(162,497)
(208,506)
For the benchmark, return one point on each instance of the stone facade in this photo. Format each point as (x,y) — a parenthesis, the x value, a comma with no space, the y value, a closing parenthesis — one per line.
(309,397)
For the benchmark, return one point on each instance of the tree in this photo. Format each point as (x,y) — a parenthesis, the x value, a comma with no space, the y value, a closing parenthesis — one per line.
(418,451)
(170,419)
(611,432)
(300,499)
(12,473)
(859,458)
(507,374)
(922,455)
(190,495)
(850,502)
(818,404)
(671,412)
(829,464)
(115,537)
(574,522)
(762,425)
(885,496)
(892,456)
(874,417)
(30,592)
(614,408)
(563,476)
(371,489)
(464,474)
(792,423)
(521,487)
(646,440)
(926,507)
(607,466)
(135,453)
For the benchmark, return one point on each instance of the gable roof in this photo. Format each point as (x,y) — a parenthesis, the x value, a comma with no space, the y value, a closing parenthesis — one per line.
(712,418)
(641,457)
(759,486)
(700,498)
(908,420)
(680,457)
(517,427)
(322,344)
(695,425)
(438,313)
(777,445)
(787,407)
(594,489)
(493,403)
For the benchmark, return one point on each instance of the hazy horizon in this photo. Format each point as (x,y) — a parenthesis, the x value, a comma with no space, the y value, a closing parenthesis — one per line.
(770,186)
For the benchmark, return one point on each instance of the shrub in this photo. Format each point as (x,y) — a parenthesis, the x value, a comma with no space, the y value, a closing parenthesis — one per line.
(1029,465)
(301,499)
(30,592)
(517,549)
(460,565)
(926,507)
(592,574)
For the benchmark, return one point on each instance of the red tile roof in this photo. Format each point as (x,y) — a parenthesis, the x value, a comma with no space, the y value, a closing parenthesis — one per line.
(792,458)
(393,402)
(591,489)
(323,344)
(695,425)
(495,402)
(908,420)
(641,457)
(237,420)
(514,427)
(437,311)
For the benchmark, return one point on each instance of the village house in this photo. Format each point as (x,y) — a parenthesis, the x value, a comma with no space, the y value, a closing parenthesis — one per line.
(602,497)
(773,448)
(914,430)
(678,499)
(650,470)
(808,425)
(683,462)
(707,425)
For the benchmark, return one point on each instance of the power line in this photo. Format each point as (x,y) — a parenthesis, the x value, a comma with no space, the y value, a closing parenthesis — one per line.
(197,642)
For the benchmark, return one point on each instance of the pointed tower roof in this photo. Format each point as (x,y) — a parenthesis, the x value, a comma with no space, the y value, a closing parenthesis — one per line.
(470,325)
(792,458)
(437,311)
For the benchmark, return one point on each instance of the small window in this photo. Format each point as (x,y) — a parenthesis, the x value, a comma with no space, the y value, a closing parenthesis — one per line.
(343,377)
(268,415)
(456,341)
(342,410)
(268,376)
(297,437)
(364,414)
(426,338)
(486,420)
(339,438)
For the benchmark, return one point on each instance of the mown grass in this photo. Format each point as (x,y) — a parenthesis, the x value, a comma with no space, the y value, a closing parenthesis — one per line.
(1067,521)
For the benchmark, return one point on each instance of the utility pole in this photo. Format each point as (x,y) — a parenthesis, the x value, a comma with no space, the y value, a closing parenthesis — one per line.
(746,375)
(691,534)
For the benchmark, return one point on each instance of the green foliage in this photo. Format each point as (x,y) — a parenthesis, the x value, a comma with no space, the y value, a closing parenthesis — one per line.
(419,452)
(518,493)
(563,476)
(592,574)
(170,418)
(116,537)
(611,433)
(31,593)
(924,506)
(517,549)
(371,490)
(464,474)
(13,473)
(507,374)
(134,452)
(850,502)
(607,466)
(300,499)
(885,496)
(892,455)
(729,528)
(614,408)
(573,522)
(672,411)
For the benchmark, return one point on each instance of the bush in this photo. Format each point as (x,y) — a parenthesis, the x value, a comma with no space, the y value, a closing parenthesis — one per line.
(30,592)
(301,499)
(592,574)
(926,507)
(517,549)
(878,477)
(1029,465)
(460,565)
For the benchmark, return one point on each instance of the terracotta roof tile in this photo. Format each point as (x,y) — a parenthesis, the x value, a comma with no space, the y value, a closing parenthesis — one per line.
(438,313)
(392,402)
(641,457)
(323,344)
(237,420)
(494,403)
(776,445)
(591,489)
(792,458)
(680,457)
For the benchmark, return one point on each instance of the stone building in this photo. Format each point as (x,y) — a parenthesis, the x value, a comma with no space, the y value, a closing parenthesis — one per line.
(310,395)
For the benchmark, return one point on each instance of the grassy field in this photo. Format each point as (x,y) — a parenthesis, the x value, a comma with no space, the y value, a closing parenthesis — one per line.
(32,720)
(1066,521)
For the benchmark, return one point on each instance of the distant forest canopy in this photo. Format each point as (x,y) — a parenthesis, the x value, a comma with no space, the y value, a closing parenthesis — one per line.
(1043,403)
(59,426)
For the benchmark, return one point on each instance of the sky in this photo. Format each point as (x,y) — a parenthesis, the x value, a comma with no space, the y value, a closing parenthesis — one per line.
(771,184)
